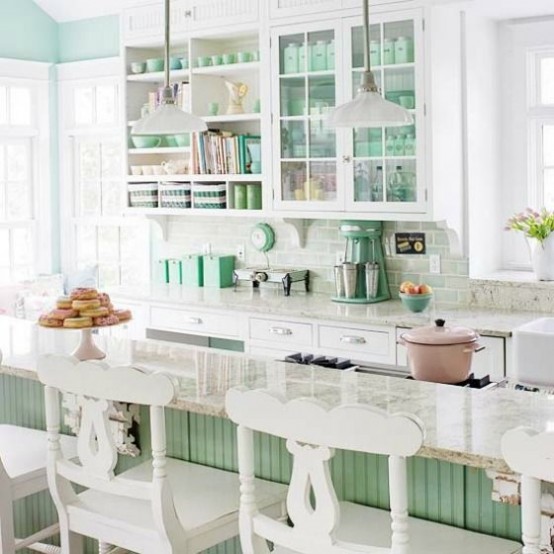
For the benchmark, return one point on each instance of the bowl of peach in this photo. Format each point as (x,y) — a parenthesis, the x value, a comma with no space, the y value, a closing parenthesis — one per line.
(415,297)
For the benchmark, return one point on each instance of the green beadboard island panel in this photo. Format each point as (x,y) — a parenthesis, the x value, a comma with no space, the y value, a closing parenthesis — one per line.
(439,491)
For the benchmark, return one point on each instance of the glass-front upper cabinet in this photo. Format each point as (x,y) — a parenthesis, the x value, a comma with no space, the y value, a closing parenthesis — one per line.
(385,169)
(307,164)
(377,170)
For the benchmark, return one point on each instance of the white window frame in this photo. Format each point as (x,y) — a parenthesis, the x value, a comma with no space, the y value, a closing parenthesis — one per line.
(38,77)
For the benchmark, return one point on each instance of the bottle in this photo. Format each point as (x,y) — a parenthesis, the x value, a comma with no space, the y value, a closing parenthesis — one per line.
(390,145)
(291,58)
(399,145)
(376,193)
(331,54)
(375,52)
(409,145)
(395,191)
(388,51)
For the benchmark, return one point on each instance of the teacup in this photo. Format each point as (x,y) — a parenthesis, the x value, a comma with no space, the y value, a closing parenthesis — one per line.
(174,63)
(244,57)
(136,170)
(184,63)
(217,59)
(147,170)
(175,167)
(158,170)
(155,64)
(204,61)
(213,108)
(229,58)
(138,67)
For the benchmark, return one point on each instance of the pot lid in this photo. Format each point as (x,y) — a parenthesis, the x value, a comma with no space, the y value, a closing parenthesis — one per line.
(440,334)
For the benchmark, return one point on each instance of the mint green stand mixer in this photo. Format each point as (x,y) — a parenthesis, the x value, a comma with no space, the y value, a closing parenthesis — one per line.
(362,278)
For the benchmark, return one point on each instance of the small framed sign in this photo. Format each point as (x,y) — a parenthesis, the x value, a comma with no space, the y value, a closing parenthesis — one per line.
(409,243)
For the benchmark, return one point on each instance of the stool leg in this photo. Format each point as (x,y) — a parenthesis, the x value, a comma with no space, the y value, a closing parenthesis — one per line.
(531,514)
(7,536)
(72,543)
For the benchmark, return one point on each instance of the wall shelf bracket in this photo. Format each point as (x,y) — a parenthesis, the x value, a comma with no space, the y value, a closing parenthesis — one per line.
(299,230)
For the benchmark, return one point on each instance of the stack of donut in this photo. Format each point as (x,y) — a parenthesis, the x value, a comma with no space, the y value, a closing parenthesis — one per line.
(84,308)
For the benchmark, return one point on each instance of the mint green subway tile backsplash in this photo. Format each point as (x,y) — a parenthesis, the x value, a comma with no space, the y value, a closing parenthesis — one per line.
(323,244)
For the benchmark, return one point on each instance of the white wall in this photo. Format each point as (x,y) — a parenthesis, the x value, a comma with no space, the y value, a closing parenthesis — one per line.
(482,144)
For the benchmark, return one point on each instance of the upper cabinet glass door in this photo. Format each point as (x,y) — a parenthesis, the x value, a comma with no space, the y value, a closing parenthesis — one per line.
(386,173)
(307,91)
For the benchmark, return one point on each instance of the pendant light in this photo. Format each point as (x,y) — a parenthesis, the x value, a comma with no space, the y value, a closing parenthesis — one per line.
(369,108)
(168,119)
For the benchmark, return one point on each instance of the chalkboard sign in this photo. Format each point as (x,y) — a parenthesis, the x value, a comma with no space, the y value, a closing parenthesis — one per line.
(410,243)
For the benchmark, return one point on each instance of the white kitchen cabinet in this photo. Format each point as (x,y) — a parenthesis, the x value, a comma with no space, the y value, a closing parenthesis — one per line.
(370,345)
(136,327)
(147,22)
(293,8)
(196,322)
(316,67)
(280,334)
(210,14)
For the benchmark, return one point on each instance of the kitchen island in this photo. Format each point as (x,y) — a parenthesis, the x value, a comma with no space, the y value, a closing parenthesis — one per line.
(447,478)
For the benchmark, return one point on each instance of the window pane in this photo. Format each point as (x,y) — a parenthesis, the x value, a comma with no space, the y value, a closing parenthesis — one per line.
(88,178)
(111,198)
(111,160)
(108,243)
(18,201)
(3,106)
(20,106)
(22,247)
(4,248)
(547,80)
(86,244)
(18,162)
(549,189)
(108,275)
(106,105)
(83,106)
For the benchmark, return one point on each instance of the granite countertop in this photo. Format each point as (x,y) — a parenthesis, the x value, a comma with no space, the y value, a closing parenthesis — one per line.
(313,306)
(462,426)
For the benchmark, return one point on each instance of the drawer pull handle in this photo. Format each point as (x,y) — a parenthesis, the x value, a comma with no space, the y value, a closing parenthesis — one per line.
(349,339)
(280,331)
(194,321)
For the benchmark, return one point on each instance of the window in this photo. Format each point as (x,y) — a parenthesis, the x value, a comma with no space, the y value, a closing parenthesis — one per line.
(541,128)
(97,233)
(25,241)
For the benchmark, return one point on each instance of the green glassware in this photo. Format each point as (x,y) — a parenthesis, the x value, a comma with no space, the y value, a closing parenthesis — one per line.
(240,197)
(254,197)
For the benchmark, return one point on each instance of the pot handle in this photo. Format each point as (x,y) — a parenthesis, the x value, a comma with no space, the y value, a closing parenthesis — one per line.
(476,347)
(401,341)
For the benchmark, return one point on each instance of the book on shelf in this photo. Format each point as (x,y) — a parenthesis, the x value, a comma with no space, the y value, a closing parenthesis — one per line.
(217,152)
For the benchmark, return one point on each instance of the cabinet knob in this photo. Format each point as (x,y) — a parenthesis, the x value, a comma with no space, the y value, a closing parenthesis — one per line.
(280,331)
(347,159)
(349,339)
(194,321)
(188,13)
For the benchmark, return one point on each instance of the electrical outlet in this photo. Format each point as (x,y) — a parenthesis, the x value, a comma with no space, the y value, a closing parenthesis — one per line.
(434,263)
(240,253)
(207,248)
(339,257)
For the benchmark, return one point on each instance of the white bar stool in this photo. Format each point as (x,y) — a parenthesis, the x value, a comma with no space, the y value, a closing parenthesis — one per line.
(163,506)
(531,454)
(23,454)
(322,524)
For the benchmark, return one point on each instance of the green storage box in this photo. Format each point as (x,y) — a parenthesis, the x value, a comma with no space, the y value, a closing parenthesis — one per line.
(192,270)
(175,272)
(162,272)
(218,271)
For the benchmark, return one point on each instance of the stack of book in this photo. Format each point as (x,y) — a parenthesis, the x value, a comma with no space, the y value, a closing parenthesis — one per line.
(220,153)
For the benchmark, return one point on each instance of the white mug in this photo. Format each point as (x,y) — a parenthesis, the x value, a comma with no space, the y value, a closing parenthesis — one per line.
(147,170)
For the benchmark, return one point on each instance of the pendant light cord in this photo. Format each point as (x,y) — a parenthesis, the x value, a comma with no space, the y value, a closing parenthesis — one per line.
(367,83)
(167,93)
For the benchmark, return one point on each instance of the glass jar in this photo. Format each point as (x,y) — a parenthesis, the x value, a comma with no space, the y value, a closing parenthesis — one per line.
(390,145)
(409,145)
(388,51)
(375,52)
(399,145)
(404,50)
(290,58)
(331,54)
(318,56)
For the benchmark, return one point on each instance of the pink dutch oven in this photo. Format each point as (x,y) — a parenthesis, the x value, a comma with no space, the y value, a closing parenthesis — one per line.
(439,353)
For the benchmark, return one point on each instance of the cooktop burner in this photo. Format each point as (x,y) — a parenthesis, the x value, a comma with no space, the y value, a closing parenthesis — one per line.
(471,382)
(322,361)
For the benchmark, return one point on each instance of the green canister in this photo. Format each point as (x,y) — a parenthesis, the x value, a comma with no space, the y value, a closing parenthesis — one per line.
(254,197)
(240,197)
(388,51)
(331,54)
(403,50)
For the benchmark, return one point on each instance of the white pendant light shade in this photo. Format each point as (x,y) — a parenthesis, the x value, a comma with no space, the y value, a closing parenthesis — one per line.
(168,119)
(370,109)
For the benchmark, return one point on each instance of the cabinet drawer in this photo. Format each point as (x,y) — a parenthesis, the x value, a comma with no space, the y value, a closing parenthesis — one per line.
(195,322)
(281,332)
(367,345)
